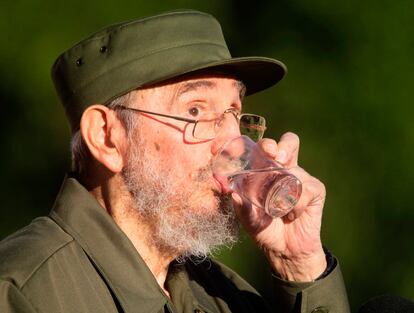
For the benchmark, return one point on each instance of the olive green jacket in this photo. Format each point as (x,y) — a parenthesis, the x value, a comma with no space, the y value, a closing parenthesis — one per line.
(78,260)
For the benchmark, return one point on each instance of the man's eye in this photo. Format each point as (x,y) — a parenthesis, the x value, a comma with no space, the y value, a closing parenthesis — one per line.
(194,111)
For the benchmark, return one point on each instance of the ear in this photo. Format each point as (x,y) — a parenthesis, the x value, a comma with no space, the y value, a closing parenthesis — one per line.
(104,135)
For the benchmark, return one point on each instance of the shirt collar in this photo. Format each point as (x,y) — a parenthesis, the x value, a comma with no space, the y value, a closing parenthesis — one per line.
(111,252)
(188,296)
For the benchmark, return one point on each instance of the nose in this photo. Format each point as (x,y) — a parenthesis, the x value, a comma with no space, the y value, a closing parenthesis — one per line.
(229,130)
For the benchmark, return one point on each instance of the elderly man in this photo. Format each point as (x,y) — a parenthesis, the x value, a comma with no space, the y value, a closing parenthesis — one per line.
(135,220)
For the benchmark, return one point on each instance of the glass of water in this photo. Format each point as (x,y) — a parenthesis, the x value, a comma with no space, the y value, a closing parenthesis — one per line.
(242,166)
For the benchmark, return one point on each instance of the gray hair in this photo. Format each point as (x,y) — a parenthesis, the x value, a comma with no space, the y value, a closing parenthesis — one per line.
(79,150)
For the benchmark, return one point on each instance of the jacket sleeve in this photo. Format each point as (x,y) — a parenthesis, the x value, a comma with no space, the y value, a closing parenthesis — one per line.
(12,300)
(325,295)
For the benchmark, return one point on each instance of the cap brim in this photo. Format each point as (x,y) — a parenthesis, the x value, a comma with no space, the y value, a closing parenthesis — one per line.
(257,73)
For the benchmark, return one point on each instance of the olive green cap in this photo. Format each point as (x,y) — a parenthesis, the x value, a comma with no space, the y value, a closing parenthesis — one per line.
(139,53)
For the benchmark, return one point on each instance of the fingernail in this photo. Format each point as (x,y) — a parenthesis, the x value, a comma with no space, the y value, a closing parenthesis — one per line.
(291,216)
(281,156)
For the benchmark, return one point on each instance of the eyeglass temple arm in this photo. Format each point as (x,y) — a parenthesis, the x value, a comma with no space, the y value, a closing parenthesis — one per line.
(188,120)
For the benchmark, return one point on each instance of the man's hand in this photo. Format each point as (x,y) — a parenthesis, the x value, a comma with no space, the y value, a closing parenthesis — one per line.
(292,244)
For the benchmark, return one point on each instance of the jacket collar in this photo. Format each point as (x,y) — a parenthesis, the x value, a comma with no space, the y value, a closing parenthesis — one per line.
(111,252)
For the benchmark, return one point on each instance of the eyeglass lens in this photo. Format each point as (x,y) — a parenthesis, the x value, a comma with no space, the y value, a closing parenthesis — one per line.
(251,125)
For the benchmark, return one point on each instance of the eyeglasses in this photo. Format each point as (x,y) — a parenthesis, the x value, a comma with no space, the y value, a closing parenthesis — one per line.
(206,128)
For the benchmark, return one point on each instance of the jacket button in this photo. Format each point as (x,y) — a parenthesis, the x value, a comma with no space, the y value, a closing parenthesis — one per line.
(320,309)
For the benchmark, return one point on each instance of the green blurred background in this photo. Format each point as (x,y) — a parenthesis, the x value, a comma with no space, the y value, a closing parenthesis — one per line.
(347,96)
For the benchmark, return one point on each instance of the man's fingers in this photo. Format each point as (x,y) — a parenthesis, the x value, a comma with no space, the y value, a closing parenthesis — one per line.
(288,150)
(285,152)
(269,146)
(313,195)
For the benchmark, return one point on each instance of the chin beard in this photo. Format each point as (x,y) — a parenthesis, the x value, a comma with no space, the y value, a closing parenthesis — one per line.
(183,222)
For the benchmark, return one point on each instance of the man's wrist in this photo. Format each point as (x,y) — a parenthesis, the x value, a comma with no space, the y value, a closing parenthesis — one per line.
(304,269)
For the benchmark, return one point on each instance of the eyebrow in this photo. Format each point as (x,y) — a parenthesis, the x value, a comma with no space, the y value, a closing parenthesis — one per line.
(192,86)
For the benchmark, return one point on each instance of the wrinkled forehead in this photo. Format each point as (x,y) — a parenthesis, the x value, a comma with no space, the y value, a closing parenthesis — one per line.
(169,92)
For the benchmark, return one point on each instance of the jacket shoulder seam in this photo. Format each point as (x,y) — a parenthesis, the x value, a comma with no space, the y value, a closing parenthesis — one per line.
(33,273)
(9,282)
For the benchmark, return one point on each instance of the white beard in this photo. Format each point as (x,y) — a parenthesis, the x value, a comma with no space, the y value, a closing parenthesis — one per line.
(183,221)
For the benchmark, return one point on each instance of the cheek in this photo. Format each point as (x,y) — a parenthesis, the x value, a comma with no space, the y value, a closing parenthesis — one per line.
(182,159)
(175,156)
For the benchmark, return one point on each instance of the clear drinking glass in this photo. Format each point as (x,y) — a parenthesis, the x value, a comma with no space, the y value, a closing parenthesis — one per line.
(242,166)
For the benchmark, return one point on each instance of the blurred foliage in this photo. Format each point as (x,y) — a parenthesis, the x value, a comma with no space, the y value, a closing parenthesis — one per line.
(347,96)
